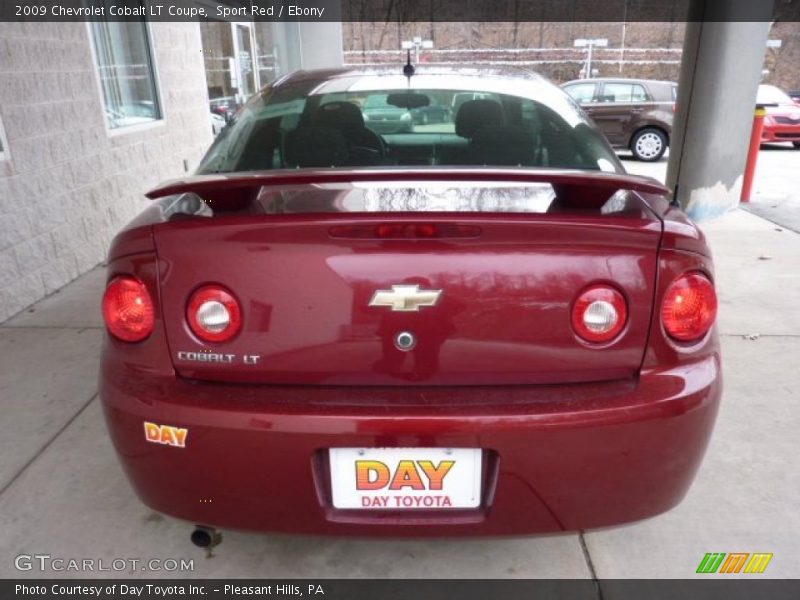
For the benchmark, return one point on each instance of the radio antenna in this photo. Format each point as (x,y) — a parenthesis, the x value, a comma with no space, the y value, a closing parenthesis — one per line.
(408,70)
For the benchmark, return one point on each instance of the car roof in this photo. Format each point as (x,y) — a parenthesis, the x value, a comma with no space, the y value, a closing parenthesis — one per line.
(502,81)
(365,80)
(419,70)
(619,80)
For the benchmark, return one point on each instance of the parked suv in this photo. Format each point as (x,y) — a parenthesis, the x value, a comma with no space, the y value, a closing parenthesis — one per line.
(633,114)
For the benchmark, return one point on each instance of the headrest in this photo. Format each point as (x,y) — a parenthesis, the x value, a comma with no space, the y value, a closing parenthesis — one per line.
(475,114)
(508,146)
(339,115)
(315,147)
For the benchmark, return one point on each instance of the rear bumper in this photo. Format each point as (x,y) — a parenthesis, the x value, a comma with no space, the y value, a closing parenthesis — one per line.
(562,458)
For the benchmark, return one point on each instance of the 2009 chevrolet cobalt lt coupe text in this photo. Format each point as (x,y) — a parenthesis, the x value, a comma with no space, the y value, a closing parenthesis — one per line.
(480,326)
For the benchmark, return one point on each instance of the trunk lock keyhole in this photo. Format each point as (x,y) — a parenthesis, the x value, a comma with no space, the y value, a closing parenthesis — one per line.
(405,341)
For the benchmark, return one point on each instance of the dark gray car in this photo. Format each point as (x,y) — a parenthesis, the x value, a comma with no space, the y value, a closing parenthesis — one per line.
(633,114)
(382,117)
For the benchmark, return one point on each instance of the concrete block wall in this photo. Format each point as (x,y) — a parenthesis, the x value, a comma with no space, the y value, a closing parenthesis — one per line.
(70,185)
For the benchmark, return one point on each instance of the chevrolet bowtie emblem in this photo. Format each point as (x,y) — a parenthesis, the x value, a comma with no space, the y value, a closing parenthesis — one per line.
(405,298)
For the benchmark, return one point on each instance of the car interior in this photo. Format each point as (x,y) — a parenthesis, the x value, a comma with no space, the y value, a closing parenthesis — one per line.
(486,129)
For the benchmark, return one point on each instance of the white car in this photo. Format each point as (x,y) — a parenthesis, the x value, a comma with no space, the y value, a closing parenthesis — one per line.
(217,124)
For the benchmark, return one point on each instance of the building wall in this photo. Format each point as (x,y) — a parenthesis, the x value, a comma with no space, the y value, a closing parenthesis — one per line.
(70,185)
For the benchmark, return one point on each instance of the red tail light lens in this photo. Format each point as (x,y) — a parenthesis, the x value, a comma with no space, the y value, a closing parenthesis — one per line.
(689,308)
(128,309)
(599,314)
(214,314)
(405,231)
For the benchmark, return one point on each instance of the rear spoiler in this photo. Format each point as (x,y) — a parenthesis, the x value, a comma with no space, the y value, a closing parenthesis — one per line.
(579,188)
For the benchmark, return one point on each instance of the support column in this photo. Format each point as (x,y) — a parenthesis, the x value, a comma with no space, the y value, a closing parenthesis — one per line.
(720,73)
(321,44)
(308,45)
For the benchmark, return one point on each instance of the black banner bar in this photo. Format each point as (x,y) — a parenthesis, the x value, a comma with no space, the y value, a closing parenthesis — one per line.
(402,11)
(733,588)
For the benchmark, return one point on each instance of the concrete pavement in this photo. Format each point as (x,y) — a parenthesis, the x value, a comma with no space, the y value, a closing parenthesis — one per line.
(63,493)
(776,193)
(776,186)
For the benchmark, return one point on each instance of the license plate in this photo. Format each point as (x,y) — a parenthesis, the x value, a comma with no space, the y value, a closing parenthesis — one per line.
(406,478)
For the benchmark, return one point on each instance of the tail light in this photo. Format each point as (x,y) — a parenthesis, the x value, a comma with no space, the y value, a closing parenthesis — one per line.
(689,308)
(599,314)
(214,314)
(128,309)
(405,231)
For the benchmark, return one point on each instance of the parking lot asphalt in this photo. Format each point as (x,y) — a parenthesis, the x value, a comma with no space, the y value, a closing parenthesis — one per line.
(63,493)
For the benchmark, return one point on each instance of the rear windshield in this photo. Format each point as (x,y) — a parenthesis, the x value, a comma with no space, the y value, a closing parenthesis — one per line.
(290,127)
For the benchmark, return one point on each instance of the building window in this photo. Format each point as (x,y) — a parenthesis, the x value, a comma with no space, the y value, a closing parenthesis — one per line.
(4,153)
(125,68)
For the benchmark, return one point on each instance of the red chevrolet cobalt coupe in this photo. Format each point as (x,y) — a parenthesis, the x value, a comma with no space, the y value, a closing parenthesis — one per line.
(477,327)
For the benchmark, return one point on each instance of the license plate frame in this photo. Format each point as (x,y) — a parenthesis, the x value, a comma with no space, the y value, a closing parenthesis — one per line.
(451,478)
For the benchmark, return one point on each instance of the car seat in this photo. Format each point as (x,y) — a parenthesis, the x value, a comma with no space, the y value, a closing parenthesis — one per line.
(478,114)
(491,141)
(364,145)
(315,147)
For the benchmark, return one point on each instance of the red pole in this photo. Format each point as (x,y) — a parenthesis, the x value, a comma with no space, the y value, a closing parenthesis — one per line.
(752,153)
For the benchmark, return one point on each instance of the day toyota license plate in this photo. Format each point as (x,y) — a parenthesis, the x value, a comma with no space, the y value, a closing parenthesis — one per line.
(405,478)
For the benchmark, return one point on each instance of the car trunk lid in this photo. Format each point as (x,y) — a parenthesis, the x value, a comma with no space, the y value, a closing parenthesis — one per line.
(481,273)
